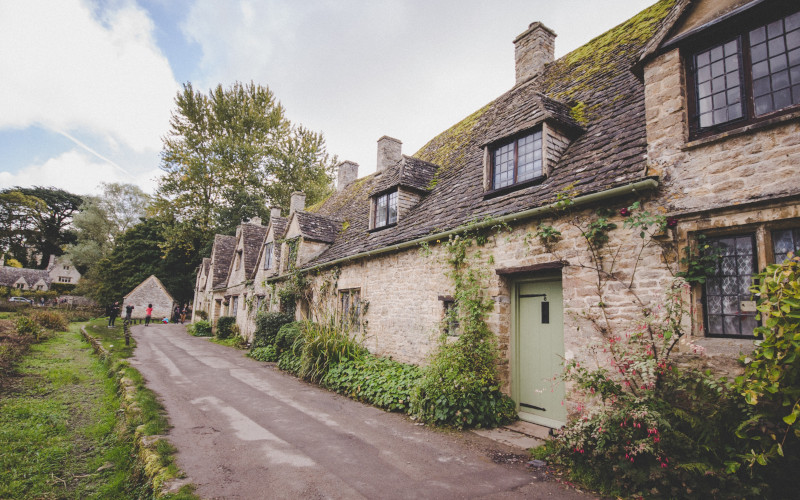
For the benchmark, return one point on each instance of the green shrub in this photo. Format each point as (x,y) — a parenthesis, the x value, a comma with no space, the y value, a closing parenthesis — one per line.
(79,315)
(52,320)
(225,327)
(325,345)
(27,326)
(200,328)
(267,326)
(268,353)
(201,314)
(288,335)
(771,382)
(288,361)
(380,382)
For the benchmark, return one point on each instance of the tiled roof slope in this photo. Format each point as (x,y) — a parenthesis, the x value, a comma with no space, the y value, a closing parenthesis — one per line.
(604,97)
(318,227)
(10,275)
(413,173)
(253,236)
(279,227)
(224,247)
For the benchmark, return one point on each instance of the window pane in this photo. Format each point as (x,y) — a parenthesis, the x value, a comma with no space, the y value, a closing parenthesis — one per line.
(380,211)
(392,208)
(724,72)
(724,292)
(758,52)
(793,22)
(783,242)
(504,166)
(758,35)
(772,85)
(528,160)
(760,69)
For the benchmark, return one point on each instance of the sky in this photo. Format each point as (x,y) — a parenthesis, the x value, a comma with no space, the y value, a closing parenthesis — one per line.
(87,86)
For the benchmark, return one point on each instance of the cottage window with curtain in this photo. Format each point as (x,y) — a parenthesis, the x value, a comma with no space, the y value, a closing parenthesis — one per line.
(517,161)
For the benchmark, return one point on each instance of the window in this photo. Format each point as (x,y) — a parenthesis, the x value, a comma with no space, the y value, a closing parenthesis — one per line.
(748,76)
(64,279)
(385,209)
(268,255)
(783,242)
(234,305)
(517,161)
(20,285)
(729,286)
(66,268)
(350,301)
(451,323)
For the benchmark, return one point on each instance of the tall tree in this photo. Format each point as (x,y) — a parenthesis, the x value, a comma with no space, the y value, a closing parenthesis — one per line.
(36,222)
(231,154)
(102,218)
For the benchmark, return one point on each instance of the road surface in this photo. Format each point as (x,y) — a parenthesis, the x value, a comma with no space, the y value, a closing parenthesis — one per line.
(244,429)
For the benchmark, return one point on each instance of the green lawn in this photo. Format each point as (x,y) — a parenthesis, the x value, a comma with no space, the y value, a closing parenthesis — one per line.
(58,425)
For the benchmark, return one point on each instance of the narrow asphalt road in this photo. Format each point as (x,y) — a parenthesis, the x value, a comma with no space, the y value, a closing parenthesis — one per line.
(244,429)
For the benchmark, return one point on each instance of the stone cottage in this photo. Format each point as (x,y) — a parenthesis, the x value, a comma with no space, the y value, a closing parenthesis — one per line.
(690,108)
(149,291)
(61,270)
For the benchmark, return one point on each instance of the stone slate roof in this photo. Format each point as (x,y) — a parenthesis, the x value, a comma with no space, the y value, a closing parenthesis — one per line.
(412,173)
(222,253)
(10,275)
(152,278)
(523,110)
(279,225)
(253,237)
(203,271)
(316,227)
(603,96)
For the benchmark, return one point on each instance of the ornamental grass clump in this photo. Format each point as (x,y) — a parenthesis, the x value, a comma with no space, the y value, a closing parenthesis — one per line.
(325,345)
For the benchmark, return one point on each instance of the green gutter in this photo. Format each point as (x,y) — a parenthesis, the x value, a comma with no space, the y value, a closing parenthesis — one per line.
(627,189)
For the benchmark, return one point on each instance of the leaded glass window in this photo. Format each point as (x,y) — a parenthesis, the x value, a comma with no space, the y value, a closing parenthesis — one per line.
(517,161)
(386,209)
(775,56)
(783,242)
(268,251)
(719,84)
(729,286)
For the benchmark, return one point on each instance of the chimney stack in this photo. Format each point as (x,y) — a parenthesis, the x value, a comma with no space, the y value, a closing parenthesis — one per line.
(298,202)
(389,152)
(348,172)
(533,49)
(274,212)
(255,221)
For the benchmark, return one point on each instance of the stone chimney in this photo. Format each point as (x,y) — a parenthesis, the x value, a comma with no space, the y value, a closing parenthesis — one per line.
(274,212)
(298,202)
(533,49)
(348,172)
(255,221)
(389,152)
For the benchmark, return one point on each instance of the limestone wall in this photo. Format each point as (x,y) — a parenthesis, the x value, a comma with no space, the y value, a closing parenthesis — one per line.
(149,293)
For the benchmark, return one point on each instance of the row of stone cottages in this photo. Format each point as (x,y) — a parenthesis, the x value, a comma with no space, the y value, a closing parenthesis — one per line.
(691,107)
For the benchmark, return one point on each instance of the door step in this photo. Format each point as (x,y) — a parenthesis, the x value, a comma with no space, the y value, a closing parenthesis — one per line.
(519,434)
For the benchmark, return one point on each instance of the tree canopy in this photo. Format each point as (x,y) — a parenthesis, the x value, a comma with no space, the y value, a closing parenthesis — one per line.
(231,154)
(35,223)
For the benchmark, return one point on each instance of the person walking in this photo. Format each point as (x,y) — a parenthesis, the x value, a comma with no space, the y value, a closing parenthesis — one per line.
(113,311)
(128,311)
(183,314)
(147,314)
(176,314)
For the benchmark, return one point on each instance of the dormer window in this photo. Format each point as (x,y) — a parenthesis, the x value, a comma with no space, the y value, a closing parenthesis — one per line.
(385,209)
(746,78)
(518,160)
(268,251)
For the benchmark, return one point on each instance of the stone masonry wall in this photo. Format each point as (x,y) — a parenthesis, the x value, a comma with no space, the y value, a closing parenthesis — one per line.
(149,293)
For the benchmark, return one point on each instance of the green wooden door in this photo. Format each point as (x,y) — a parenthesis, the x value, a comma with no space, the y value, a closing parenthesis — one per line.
(539,354)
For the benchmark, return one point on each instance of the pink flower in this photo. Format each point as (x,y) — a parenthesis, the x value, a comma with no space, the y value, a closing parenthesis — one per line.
(624,212)
(672,222)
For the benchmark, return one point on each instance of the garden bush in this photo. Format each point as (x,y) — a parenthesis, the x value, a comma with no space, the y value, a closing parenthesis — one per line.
(288,361)
(288,335)
(268,353)
(52,320)
(380,382)
(225,327)
(27,326)
(267,326)
(200,328)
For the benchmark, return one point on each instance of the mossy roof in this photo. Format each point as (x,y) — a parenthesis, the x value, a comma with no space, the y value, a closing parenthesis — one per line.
(609,146)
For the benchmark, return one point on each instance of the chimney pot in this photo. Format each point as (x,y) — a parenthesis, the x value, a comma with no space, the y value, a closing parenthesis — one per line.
(298,202)
(533,49)
(390,152)
(348,172)
(274,212)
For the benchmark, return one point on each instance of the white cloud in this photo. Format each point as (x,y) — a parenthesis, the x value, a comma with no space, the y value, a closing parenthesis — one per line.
(66,69)
(77,172)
